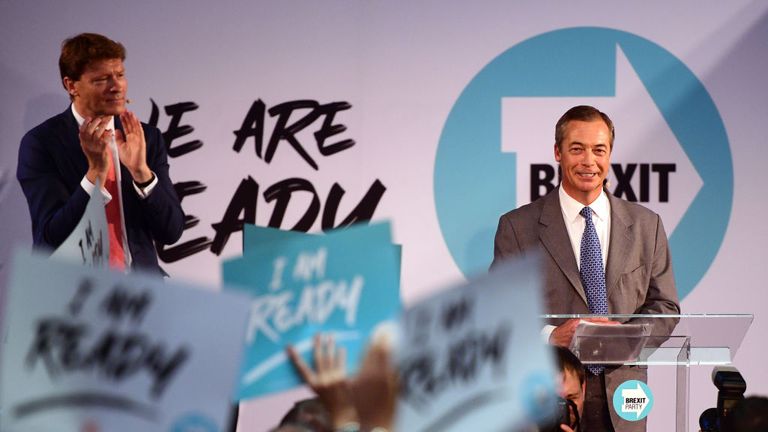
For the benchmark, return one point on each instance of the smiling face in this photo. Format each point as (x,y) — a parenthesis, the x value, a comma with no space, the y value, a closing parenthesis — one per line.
(585,159)
(101,89)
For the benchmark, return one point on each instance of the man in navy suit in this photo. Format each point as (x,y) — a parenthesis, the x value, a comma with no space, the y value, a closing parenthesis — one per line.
(61,159)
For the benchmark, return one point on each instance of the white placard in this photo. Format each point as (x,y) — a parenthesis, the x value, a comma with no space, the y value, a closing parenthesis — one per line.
(471,357)
(88,244)
(89,349)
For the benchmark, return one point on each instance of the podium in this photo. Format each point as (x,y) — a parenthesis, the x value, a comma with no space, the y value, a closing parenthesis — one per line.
(681,341)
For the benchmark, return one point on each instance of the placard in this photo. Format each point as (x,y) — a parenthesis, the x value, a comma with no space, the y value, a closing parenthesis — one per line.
(255,236)
(88,244)
(90,349)
(472,358)
(345,282)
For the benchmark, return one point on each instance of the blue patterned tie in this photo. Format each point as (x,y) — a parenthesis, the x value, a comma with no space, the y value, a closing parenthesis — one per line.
(592,273)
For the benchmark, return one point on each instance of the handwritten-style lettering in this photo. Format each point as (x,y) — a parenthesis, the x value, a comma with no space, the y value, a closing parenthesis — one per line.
(66,347)
(426,375)
(274,314)
(297,124)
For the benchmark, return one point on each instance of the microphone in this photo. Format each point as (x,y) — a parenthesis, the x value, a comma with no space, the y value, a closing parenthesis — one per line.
(127,100)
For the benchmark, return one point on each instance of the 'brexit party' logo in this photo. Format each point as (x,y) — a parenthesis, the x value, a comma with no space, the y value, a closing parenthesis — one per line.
(633,400)
(671,151)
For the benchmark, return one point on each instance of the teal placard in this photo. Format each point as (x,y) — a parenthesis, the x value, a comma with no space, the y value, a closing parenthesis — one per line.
(345,282)
(255,236)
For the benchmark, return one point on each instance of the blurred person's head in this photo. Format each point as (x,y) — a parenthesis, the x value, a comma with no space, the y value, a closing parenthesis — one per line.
(749,415)
(310,414)
(572,379)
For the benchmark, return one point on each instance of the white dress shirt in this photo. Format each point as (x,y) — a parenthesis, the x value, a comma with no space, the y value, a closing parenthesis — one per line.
(575,223)
(89,187)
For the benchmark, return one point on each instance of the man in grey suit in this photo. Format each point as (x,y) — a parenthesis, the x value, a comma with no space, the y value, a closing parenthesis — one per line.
(566,225)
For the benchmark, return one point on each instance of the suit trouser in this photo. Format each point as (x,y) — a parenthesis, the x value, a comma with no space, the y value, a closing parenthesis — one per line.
(596,416)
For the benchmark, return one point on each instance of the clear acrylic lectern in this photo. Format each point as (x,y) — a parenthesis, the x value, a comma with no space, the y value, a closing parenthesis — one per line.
(661,340)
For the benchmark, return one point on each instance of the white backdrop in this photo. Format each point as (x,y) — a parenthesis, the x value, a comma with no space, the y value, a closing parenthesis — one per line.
(402,67)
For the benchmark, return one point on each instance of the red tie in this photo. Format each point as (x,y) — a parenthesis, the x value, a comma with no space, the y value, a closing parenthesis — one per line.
(116,252)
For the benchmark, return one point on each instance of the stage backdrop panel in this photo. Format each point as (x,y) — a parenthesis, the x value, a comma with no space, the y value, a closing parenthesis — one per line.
(438,116)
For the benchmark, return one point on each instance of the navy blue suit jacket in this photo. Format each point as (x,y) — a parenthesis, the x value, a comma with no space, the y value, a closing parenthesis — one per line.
(51,167)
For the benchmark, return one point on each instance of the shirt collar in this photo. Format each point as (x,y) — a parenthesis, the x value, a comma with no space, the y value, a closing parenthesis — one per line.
(80,119)
(601,207)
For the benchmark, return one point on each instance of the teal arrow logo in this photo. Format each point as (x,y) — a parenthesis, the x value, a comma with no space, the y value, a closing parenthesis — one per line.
(477,172)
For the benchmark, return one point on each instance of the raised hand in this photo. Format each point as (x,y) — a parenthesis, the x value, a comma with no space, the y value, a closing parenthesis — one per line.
(329,379)
(132,147)
(94,140)
(374,389)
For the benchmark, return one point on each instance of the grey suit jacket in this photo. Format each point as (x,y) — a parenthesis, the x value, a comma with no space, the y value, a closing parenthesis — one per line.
(639,277)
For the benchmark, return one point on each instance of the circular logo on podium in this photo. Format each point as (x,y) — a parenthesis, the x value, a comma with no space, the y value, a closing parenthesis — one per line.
(633,400)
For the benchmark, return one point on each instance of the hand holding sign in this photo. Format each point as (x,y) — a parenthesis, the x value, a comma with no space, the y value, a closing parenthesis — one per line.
(329,380)
(345,282)
(374,390)
(370,398)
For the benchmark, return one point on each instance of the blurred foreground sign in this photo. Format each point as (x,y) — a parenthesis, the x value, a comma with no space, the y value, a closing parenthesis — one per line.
(100,351)
(88,244)
(471,358)
(345,282)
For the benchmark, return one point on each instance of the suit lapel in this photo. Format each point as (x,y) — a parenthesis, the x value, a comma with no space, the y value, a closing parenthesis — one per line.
(554,237)
(125,175)
(619,248)
(72,151)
